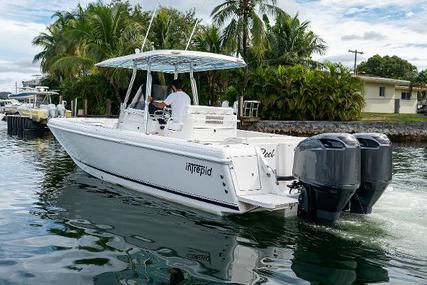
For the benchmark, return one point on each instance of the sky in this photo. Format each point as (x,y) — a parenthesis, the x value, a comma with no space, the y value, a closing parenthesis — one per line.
(387,27)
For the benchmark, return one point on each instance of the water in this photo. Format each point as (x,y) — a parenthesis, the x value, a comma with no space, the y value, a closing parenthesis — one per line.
(59,225)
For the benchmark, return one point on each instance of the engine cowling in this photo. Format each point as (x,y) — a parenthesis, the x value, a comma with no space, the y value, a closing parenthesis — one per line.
(328,167)
(376,171)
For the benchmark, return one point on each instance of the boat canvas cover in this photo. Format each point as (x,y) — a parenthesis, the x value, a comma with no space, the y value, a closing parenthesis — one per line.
(171,61)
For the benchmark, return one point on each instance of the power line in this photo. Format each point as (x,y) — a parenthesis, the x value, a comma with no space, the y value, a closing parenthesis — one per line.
(355,58)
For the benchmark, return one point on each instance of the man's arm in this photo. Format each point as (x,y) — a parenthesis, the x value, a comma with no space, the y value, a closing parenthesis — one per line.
(158,104)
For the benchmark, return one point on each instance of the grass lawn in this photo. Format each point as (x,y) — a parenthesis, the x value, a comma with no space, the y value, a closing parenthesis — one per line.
(393,118)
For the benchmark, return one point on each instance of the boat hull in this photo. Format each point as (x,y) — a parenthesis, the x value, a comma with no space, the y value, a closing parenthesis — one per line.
(177,174)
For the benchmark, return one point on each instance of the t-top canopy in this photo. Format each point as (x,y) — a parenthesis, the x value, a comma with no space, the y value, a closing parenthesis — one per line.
(31,94)
(171,61)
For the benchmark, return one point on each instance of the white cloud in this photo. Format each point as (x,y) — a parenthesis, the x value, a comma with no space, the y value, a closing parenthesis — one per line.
(16,51)
(354,10)
(329,20)
(372,35)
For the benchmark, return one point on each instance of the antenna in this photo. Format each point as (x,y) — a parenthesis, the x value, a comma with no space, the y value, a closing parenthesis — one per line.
(149,28)
(192,33)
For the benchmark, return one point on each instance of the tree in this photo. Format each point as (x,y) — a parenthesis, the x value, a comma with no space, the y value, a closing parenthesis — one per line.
(102,32)
(245,27)
(280,71)
(291,41)
(421,81)
(388,66)
(422,77)
(53,42)
(77,40)
(209,39)
(171,28)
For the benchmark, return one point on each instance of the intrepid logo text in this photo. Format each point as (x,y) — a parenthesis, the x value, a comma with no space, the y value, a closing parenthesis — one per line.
(198,169)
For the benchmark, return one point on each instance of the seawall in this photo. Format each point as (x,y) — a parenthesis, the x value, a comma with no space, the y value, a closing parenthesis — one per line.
(397,132)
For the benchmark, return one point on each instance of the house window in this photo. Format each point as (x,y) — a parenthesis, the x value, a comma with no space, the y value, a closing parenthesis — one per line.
(382,91)
(406,96)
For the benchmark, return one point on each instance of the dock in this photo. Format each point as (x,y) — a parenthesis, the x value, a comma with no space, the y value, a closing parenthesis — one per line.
(24,126)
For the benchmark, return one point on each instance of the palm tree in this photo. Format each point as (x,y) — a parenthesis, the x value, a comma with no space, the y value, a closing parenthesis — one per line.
(104,32)
(292,42)
(244,26)
(209,39)
(53,42)
(75,42)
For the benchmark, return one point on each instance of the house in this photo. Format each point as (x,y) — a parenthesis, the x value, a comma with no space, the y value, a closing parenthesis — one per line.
(386,95)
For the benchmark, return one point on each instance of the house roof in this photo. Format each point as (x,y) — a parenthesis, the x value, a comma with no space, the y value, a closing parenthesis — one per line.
(375,79)
(414,88)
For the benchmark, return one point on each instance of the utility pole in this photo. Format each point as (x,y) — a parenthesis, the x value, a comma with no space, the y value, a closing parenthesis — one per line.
(355,58)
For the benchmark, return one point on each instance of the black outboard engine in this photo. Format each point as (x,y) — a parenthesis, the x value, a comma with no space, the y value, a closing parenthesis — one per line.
(376,167)
(328,167)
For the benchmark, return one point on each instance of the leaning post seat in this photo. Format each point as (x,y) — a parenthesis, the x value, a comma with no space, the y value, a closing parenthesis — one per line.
(205,123)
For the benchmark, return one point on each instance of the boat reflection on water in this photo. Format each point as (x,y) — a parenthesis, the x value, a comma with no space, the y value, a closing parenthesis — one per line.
(338,261)
(158,242)
(348,254)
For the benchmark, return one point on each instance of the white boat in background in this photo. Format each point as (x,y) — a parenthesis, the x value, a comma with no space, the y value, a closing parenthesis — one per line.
(9,106)
(39,105)
(205,162)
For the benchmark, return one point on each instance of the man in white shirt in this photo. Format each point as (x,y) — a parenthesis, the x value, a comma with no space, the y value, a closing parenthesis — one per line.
(178,100)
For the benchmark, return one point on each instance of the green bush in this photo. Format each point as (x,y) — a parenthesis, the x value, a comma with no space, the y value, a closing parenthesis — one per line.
(301,93)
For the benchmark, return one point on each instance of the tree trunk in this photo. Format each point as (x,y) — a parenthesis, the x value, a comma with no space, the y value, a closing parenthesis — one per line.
(245,35)
(245,42)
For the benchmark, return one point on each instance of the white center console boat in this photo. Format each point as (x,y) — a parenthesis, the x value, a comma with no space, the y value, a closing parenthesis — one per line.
(9,106)
(205,162)
(39,105)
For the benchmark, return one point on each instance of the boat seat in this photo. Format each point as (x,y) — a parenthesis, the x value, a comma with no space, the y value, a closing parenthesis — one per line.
(204,123)
(209,110)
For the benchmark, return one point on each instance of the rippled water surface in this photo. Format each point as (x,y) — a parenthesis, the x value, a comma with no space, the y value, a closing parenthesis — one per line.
(59,225)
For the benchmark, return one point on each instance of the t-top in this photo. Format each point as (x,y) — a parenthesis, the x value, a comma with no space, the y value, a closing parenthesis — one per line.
(178,101)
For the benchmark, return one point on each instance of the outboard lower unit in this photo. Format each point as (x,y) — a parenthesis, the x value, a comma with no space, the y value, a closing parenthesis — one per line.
(376,171)
(328,168)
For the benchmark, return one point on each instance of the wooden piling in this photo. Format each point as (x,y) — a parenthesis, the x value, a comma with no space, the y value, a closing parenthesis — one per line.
(76,107)
(85,107)
(108,109)
(72,108)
